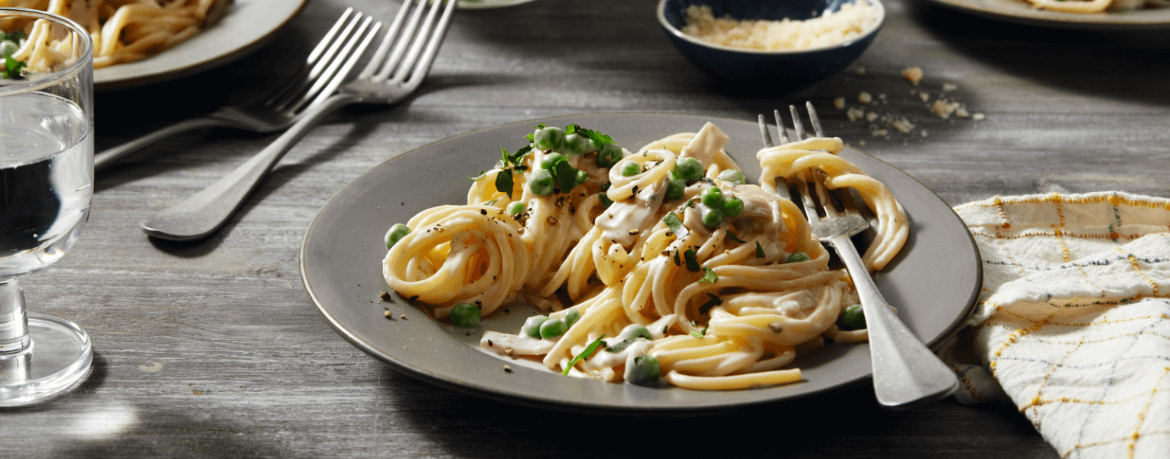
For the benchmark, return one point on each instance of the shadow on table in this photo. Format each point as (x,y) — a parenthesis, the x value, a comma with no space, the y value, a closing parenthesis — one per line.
(845,423)
(1109,64)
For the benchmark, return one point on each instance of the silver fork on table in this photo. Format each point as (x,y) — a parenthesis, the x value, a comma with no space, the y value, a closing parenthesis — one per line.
(271,113)
(904,370)
(414,49)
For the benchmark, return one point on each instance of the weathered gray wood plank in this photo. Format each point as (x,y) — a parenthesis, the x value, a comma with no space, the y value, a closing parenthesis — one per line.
(214,349)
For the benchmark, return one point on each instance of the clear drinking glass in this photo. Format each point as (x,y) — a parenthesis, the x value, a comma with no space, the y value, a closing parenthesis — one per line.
(46,184)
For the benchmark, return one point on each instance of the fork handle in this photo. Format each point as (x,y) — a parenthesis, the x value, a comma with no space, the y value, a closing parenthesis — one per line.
(205,212)
(904,370)
(104,159)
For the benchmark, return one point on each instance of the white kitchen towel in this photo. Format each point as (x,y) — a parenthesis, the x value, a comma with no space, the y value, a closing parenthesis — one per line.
(1072,321)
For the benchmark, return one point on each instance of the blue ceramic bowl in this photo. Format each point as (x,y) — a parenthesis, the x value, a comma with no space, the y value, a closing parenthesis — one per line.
(775,71)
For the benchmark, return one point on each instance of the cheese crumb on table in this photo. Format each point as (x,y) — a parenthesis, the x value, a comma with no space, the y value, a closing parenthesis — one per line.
(864,97)
(854,114)
(871,116)
(914,74)
(903,125)
(839,103)
(949,87)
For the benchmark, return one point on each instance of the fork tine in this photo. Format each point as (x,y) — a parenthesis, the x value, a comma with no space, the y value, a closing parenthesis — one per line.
(338,69)
(304,77)
(417,42)
(826,195)
(767,137)
(806,199)
(437,36)
(780,126)
(323,69)
(796,123)
(387,42)
(403,40)
(348,66)
(816,121)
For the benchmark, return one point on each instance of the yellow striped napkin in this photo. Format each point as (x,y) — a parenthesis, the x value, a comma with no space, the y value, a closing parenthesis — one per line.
(1072,323)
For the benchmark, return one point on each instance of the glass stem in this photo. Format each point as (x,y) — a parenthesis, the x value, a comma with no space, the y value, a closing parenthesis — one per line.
(13,320)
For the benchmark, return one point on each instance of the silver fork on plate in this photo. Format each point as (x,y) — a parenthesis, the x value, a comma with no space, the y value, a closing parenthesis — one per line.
(387,79)
(904,370)
(271,113)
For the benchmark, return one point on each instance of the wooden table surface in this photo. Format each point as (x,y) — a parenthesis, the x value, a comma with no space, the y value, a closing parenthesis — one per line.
(214,349)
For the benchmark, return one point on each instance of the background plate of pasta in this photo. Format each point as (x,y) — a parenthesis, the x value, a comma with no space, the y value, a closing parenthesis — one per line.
(1104,15)
(641,262)
(139,42)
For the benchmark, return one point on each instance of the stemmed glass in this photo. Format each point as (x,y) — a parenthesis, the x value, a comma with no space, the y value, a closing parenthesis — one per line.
(46,184)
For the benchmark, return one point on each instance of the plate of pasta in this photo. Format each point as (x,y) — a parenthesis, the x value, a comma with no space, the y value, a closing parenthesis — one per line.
(1108,15)
(138,42)
(626,262)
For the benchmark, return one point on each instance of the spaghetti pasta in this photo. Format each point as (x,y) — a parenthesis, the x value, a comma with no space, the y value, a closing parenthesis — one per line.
(122,30)
(687,278)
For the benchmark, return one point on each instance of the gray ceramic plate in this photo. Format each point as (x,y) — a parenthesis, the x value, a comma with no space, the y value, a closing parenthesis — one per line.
(934,282)
(487,4)
(246,26)
(1022,12)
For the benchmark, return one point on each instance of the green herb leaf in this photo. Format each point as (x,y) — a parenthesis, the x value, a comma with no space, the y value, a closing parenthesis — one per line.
(476,178)
(712,302)
(671,220)
(16,36)
(759,250)
(597,137)
(518,157)
(589,350)
(735,238)
(605,201)
(620,346)
(571,129)
(692,262)
(665,329)
(701,333)
(12,67)
(565,175)
(709,276)
(677,262)
(504,181)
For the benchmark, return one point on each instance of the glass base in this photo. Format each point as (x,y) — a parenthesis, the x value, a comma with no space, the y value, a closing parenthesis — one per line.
(58,360)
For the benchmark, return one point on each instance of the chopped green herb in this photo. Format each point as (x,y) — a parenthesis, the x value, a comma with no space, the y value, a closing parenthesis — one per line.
(665,329)
(504,182)
(692,263)
(620,346)
(709,276)
(565,175)
(605,201)
(476,178)
(491,203)
(700,333)
(759,250)
(735,238)
(671,220)
(712,302)
(12,67)
(589,350)
(677,262)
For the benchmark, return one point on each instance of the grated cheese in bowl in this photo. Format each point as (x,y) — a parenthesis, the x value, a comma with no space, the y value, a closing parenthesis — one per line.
(850,22)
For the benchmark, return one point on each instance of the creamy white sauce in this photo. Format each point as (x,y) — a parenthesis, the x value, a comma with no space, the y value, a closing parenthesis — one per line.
(635,215)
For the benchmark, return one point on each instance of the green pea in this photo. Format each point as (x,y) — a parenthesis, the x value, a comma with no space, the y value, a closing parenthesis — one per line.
(798,257)
(396,233)
(635,331)
(550,160)
(549,138)
(630,169)
(732,207)
(675,189)
(541,183)
(732,176)
(572,317)
(582,177)
(689,169)
(553,328)
(7,48)
(646,371)
(712,218)
(465,315)
(853,317)
(516,208)
(532,326)
(713,197)
(608,155)
(578,145)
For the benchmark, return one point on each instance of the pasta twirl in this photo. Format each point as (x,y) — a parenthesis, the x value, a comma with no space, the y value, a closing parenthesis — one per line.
(663,267)
(122,30)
